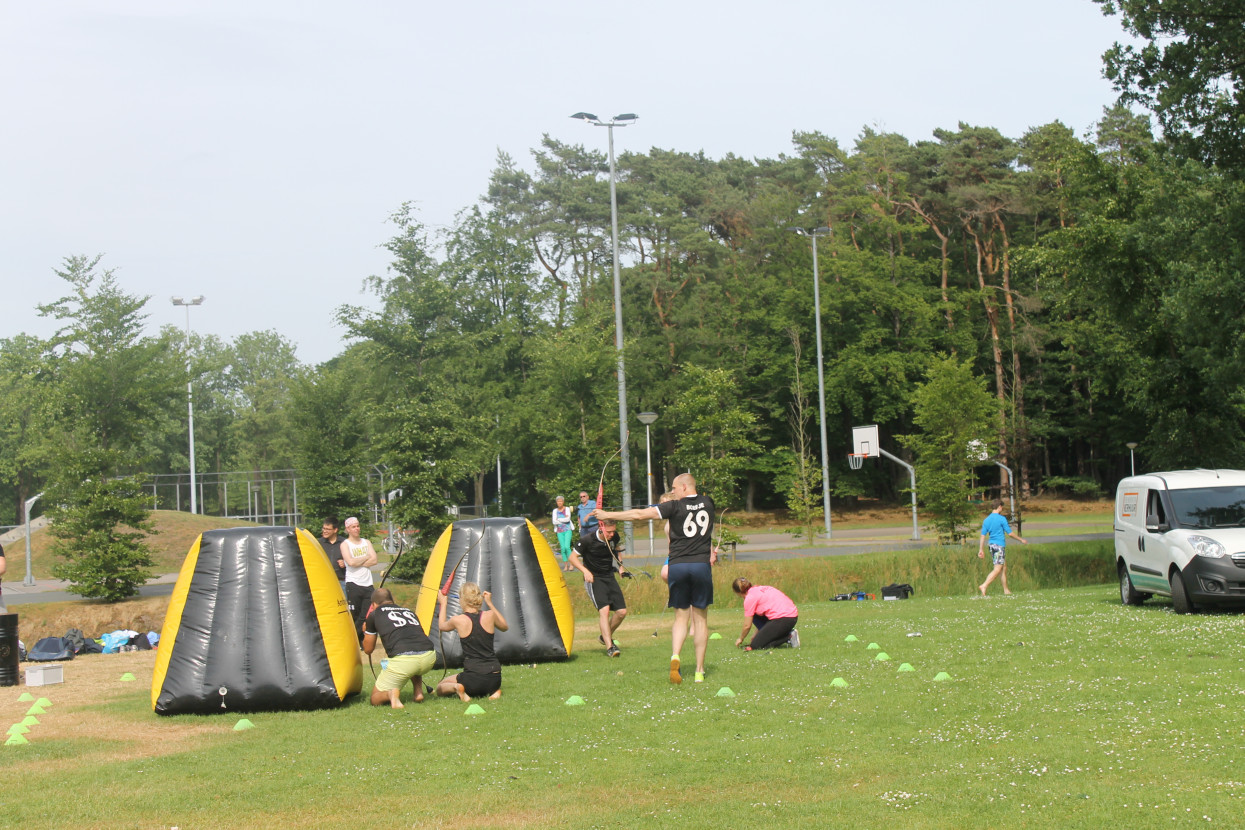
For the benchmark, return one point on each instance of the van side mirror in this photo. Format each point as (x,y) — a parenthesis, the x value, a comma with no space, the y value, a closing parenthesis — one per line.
(1153,525)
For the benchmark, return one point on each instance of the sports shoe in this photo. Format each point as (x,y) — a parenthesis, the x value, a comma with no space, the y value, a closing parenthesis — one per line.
(793,639)
(612,651)
(700,677)
(676,676)
(601,640)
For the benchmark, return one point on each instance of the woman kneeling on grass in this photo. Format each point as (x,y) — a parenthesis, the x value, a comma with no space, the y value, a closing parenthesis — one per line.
(481,674)
(771,611)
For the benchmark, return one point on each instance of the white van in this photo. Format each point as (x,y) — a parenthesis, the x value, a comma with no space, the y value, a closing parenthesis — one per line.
(1182,534)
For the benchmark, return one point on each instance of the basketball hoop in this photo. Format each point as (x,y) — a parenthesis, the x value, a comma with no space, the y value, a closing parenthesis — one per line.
(856,459)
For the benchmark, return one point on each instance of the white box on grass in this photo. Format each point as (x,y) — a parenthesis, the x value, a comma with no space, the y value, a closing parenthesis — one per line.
(45,675)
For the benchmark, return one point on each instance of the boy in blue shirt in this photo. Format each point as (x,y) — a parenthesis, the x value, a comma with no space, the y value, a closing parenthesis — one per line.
(996,529)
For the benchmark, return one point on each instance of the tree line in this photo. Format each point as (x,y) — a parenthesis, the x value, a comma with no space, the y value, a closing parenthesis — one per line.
(1053,297)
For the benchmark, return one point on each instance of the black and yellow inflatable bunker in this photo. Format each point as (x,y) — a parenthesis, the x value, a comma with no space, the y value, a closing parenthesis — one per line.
(511,559)
(257,621)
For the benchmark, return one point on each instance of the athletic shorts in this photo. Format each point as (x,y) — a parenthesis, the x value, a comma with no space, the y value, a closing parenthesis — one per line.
(691,585)
(604,591)
(479,685)
(398,670)
(998,553)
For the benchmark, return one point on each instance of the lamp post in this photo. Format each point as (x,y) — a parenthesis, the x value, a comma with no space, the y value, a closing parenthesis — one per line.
(1132,467)
(647,418)
(624,455)
(821,373)
(30,574)
(190,404)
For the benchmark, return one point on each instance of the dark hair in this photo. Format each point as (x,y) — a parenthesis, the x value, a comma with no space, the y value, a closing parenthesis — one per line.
(382,596)
(741,586)
(998,504)
(334,521)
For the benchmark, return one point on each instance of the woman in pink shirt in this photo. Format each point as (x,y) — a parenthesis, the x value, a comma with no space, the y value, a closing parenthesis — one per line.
(771,611)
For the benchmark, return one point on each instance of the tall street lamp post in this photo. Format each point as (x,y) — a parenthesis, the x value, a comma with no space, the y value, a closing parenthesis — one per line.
(647,418)
(1132,466)
(821,374)
(623,120)
(190,404)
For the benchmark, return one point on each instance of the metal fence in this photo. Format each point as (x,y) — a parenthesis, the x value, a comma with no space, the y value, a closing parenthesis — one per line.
(263,496)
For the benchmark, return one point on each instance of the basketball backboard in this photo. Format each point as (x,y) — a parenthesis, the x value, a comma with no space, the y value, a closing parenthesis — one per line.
(865,441)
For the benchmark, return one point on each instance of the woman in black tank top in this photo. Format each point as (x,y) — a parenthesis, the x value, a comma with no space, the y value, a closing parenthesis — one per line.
(481,674)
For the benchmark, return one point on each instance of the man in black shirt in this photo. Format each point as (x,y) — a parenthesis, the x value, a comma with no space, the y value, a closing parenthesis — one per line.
(594,555)
(691,556)
(409,650)
(331,542)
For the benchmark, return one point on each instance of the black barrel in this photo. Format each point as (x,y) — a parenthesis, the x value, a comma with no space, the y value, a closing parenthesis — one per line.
(10,657)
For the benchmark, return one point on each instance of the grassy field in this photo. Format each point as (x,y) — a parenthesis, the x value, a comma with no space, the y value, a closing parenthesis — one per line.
(1061,708)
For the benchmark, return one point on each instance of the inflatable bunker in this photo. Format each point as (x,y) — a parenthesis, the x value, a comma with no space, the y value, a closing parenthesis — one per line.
(257,621)
(511,559)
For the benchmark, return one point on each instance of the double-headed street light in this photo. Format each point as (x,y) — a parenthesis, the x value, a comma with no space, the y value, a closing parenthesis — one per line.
(821,373)
(190,404)
(625,457)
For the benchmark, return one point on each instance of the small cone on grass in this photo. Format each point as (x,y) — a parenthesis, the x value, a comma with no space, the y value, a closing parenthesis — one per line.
(942,675)
(26,697)
(243,724)
(715,636)
(574,700)
(474,709)
(43,701)
(30,720)
(36,710)
(882,655)
(838,681)
(725,691)
(873,646)
(850,638)
(16,740)
(127,677)
(18,729)
(906,667)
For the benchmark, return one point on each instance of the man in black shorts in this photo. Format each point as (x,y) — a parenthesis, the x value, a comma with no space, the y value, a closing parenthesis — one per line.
(691,571)
(409,650)
(594,555)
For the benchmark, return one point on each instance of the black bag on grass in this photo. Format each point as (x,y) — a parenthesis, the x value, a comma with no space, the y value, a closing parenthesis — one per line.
(49,649)
(898,591)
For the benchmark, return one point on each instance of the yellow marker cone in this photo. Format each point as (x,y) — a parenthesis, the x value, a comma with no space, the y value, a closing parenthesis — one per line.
(873,646)
(243,724)
(725,691)
(715,636)
(850,638)
(942,675)
(838,681)
(26,697)
(906,667)
(882,655)
(16,740)
(36,710)
(127,677)
(574,700)
(474,709)
(43,701)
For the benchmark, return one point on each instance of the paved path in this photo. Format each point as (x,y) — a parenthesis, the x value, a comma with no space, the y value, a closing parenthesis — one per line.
(760,545)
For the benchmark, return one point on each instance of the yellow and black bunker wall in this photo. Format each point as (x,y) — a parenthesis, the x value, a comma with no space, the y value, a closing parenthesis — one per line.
(510,558)
(257,621)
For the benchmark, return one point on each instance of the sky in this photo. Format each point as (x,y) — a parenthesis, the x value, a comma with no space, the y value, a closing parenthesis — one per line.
(252,151)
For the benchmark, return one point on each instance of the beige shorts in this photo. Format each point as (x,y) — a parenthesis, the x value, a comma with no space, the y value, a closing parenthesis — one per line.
(403,668)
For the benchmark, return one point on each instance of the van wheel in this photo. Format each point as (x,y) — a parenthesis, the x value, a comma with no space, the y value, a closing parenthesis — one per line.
(1180,597)
(1128,594)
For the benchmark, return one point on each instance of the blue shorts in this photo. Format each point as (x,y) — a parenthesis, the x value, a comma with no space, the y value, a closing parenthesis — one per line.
(691,585)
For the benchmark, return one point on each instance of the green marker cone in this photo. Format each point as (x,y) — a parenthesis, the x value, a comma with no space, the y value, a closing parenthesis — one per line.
(26,697)
(715,636)
(850,638)
(942,675)
(30,720)
(243,724)
(18,729)
(725,691)
(906,667)
(474,709)
(127,677)
(36,710)
(838,681)
(873,646)
(882,655)
(16,740)
(43,701)
(574,700)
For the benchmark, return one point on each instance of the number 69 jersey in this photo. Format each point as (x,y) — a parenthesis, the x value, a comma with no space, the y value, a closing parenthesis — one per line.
(691,528)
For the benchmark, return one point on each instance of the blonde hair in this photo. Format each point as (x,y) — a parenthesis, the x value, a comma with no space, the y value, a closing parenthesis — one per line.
(665,497)
(470,598)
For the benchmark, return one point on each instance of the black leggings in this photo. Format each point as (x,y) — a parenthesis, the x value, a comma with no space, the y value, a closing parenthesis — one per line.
(771,633)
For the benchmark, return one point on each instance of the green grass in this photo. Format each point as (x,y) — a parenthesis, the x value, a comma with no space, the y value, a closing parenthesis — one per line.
(1063,709)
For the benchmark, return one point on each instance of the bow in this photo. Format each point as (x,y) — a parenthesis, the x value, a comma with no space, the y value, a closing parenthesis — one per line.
(721,528)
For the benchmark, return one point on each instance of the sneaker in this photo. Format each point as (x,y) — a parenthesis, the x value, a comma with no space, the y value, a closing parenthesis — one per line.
(601,640)
(793,639)
(612,651)
(700,677)
(676,676)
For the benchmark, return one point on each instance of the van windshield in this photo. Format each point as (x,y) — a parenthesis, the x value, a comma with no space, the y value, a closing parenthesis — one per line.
(1208,507)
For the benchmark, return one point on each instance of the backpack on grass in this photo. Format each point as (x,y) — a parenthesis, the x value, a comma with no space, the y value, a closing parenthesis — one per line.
(50,648)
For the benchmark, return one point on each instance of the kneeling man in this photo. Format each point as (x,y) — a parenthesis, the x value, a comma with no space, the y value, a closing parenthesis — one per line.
(409,649)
